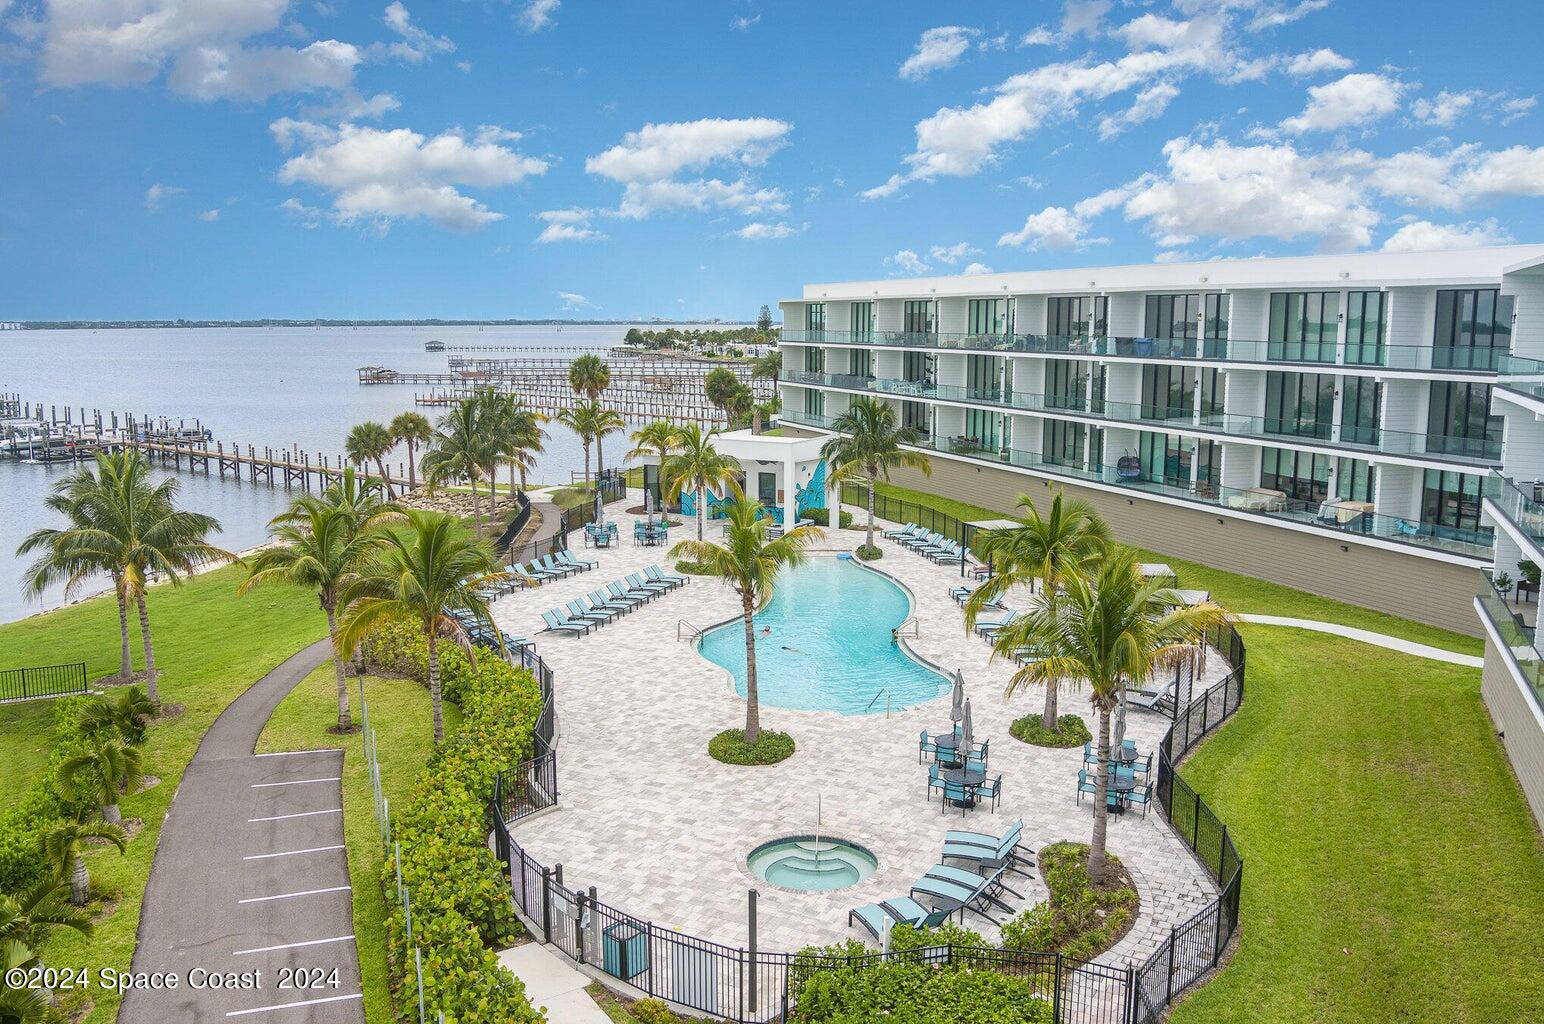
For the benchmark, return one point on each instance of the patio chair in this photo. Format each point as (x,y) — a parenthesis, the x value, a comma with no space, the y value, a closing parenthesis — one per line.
(934,781)
(938,543)
(949,552)
(900,531)
(561,625)
(965,896)
(567,557)
(1149,700)
(1085,784)
(922,539)
(974,763)
(551,565)
(1143,796)
(589,609)
(925,746)
(622,593)
(958,793)
(537,573)
(897,910)
(991,852)
(579,613)
(600,600)
(637,582)
(657,575)
(987,630)
(972,878)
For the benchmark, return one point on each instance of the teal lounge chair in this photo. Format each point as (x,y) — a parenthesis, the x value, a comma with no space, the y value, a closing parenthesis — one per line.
(971,878)
(550,564)
(963,896)
(899,910)
(561,625)
(600,616)
(991,852)
(658,575)
(637,582)
(901,531)
(600,600)
(629,594)
(539,574)
(566,557)
(990,629)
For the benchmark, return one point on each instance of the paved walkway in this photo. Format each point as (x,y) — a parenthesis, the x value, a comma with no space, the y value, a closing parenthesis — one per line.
(1367,636)
(552,984)
(251,876)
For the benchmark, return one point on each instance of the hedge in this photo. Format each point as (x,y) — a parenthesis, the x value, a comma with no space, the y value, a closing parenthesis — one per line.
(460,900)
(33,814)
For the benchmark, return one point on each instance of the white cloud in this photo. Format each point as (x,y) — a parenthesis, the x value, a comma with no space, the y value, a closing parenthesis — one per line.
(1356,99)
(1173,256)
(939,49)
(1149,103)
(640,199)
(1446,108)
(310,216)
(952,254)
(157,192)
(1083,17)
(976,268)
(744,23)
(1423,236)
(647,161)
(571,225)
(1512,109)
(760,231)
(537,14)
(1040,36)
(380,176)
(573,300)
(908,261)
(417,45)
(1459,177)
(209,215)
(1315,62)
(210,73)
(1054,227)
(1274,16)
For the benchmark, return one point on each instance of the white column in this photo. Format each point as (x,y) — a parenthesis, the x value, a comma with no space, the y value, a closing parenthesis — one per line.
(790,493)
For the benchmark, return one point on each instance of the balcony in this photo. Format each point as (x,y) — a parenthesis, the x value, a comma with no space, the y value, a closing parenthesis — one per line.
(1517,636)
(1370,440)
(1328,516)
(1520,502)
(1224,350)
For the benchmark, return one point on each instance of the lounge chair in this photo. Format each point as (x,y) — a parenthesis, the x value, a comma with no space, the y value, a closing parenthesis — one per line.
(990,628)
(958,896)
(901,531)
(579,609)
(899,910)
(972,878)
(991,852)
(1148,700)
(537,573)
(599,599)
(962,594)
(922,539)
(937,542)
(637,582)
(562,625)
(949,552)
(624,593)
(657,575)
(551,564)
(566,557)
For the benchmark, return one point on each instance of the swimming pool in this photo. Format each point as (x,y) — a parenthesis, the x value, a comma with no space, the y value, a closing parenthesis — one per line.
(830,647)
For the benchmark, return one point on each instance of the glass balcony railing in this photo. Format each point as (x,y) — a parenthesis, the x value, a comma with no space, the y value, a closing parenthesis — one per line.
(1341,517)
(1230,350)
(1520,502)
(1365,439)
(1520,638)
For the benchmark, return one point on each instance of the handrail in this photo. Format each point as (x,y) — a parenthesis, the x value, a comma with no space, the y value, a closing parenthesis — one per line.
(885,693)
(692,631)
(916,628)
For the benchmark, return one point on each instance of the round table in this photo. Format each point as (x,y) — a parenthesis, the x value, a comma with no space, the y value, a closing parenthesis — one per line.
(947,744)
(1122,786)
(970,778)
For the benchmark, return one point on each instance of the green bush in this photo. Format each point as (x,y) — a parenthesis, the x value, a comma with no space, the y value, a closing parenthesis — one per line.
(1079,920)
(1071,731)
(730,747)
(23,822)
(822,517)
(461,904)
(693,568)
(653,1011)
(869,552)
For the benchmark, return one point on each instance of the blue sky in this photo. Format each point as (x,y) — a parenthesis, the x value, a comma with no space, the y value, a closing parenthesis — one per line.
(241,158)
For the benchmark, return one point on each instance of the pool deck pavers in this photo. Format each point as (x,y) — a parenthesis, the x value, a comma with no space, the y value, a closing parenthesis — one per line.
(662,831)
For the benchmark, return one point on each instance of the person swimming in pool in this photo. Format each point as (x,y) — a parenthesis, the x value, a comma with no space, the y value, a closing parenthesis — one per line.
(795,650)
(766,630)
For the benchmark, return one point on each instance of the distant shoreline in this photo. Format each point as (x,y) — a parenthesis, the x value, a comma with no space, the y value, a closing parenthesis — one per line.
(76,325)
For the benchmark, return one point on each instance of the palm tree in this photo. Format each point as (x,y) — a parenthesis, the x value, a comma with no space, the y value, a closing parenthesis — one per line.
(768,367)
(657,438)
(122,717)
(462,448)
(720,385)
(29,915)
(587,419)
(371,442)
(320,548)
(1111,630)
(60,848)
(763,411)
(695,466)
(868,444)
(427,571)
(357,498)
(132,526)
(750,563)
(411,429)
(518,433)
(607,422)
(106,771)
(1037,554)
(589,375)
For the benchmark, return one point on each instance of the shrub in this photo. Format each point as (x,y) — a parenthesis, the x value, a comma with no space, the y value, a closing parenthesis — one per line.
(822,517)
(730,747)
(693,568)
(1079,920)
(869,552)
(34,813)
(460,899)
(653,1011)
(1071,731)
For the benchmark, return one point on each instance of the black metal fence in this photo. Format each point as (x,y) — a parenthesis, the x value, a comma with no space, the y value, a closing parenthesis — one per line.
(516,525)
(42,681)
(897,510)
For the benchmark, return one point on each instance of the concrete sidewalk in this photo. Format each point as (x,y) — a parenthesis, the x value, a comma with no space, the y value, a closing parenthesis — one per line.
(553,984)
(1367,636)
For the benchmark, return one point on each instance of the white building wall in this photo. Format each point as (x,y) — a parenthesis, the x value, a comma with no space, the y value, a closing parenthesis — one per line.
(1405,405)
(889,364)
(1029,314)
(948,421)
(1028,433)
(1028,375)
(1249,312)
(1412,318)
(1523,452)
(1528,331)
(953,316)
(1240,466)
(889,314)
(1127,311)
(1123,383)
(951,369)
(1243,393)
(1399,494)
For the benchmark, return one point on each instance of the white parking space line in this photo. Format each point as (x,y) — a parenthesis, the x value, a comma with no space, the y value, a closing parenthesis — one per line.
(301,814)
(295,753)
(295,945)
(296,782)
(292,853)
(288,1006)
(292,895)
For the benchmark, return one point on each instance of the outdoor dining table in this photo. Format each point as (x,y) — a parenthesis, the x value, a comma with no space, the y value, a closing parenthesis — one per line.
(1122,786)
(970,778)
(947,745)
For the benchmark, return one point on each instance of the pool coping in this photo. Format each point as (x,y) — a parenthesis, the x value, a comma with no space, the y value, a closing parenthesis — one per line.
(865,842)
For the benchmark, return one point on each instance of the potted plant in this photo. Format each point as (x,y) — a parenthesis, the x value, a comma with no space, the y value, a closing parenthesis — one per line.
(1503,584)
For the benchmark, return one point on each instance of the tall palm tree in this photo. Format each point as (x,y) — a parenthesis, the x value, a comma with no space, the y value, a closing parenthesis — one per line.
(607,422)
(371,442)
(1110,630)
(587,419)
(319,548)
(720,385)
(655,438)
(60,847)
(411,429)
(589,375)
(749,563)
(357,498)
(1037,553)
(695,466)
(518,433)
(123,716)
(427,571)
(28,916)
(462,448)
(868,444)
(769,366)
(105,771)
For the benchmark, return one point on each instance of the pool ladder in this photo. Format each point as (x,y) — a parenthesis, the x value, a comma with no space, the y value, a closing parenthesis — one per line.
(692,631)
(885,693)
(916,629)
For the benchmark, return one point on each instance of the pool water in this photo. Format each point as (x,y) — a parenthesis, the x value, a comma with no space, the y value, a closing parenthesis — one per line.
(830,647)
(811,865)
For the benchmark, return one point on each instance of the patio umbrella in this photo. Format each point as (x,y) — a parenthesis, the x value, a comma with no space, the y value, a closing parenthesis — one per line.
(957,709)
(600,506)
(967,734)
(1120,721)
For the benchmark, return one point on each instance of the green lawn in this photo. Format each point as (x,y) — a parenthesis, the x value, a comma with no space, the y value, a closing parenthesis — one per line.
(25,730)
(1240,593)
(210,647)
(1392,871)
(404,738)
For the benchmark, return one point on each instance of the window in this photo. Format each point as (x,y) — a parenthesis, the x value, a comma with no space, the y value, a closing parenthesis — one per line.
(1168,392)
(1355,480)
(862,319)
(917,316)
(984,428)
(1474,328)
(1072,315)
(1208,465)
(814,360)
(1452,501)
(1211,388)
(1215,331)
(1172,316)
(1299,404)
(917,366)
(1062,442)
(1304,326)
(981,377)
(1304,476)
(1096,398)
(766,488)
(1360,401)
(985,316)
(1064,384)
(814,402)
(914,416)
(1458,416)
(1364,328)
(860,362)
(815,317)
(1165,457)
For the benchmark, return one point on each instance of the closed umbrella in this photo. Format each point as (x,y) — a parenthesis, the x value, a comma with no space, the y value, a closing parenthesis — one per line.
(1120,721)
(957,709)
(600,505)
(967,735)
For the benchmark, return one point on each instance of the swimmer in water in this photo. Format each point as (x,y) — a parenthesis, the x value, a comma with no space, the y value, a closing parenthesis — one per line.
(766,630)
(795,650)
